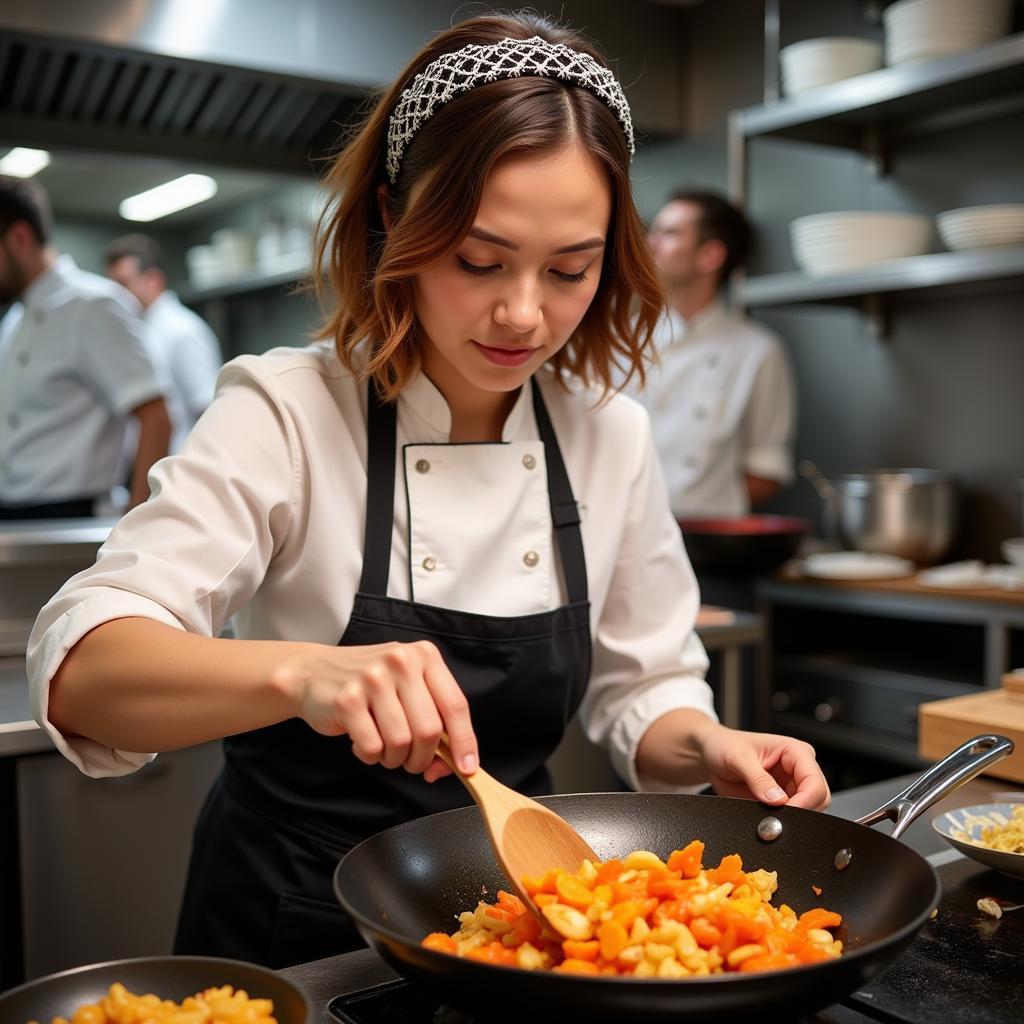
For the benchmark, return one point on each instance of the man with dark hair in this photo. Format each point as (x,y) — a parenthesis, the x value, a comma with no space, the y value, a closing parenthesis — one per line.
(722,399)
(184,350)
(73,371)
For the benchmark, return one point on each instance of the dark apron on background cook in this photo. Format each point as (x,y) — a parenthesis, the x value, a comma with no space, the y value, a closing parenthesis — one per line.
(291,802)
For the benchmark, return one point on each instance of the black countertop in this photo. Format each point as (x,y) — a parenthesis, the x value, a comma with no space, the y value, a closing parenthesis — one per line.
(351,972)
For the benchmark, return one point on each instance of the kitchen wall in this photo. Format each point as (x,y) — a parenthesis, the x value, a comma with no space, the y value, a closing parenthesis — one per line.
(943,388)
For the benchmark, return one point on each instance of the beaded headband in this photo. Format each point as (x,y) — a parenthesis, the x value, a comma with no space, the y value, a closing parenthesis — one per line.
(464,69)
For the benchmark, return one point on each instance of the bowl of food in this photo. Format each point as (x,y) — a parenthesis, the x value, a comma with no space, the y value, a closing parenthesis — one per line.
(992,834)
(192,987)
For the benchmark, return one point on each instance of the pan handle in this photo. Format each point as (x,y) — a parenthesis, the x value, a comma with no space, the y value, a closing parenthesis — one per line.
(968,760)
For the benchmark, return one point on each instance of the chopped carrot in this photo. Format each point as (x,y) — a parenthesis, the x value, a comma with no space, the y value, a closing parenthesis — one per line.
(581,950)
(440,943)
(687,860)
(816,890)
(572,966)
(572,891)
(612,938)
(818,918)
(706,934)
(730,869)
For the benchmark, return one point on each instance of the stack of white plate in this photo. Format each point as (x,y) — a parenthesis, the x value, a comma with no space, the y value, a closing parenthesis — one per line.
(830,243)
(813,63)
(978,227)
(924,29)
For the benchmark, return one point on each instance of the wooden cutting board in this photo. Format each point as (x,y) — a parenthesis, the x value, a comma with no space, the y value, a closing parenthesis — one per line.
(945,724)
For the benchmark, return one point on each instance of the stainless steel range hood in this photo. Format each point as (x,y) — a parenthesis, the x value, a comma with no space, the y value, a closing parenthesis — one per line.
(254,83)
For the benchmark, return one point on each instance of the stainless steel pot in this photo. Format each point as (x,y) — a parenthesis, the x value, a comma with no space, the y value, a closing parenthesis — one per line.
(910,513)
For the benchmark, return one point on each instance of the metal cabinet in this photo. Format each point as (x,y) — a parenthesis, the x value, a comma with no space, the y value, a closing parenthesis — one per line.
(846,667)
(103,861)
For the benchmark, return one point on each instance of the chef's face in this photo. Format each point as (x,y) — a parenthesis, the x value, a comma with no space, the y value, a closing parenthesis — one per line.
(145,285)
(675,241)
(13,276)
(514,290)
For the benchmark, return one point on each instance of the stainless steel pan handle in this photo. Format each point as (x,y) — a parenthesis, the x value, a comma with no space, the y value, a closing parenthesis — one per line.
(968,760)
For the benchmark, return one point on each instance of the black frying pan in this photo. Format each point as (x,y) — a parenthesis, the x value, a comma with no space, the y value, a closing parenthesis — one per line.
(414,879)
(170,977)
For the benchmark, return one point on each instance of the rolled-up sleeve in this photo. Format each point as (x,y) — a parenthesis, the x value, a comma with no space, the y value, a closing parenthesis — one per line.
(189,557)
(768,423)
(647,659)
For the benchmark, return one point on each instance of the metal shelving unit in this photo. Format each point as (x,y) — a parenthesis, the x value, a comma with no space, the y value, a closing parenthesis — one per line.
(979,269)
(871,113)
(242,284)
(898,101)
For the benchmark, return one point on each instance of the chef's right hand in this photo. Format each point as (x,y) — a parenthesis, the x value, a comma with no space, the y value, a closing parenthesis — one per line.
(392,700)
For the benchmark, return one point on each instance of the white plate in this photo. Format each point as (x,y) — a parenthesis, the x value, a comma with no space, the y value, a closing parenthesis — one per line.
(857,565)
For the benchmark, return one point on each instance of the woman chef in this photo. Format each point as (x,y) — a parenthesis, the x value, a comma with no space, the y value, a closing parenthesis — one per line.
(431,521)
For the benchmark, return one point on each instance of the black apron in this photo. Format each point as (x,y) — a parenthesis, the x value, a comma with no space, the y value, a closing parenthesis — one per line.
(291,802)
(71,508)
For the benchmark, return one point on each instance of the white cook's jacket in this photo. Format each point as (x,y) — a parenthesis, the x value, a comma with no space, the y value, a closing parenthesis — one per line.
(187,356)
(722,405)
(72,367)
(261,517)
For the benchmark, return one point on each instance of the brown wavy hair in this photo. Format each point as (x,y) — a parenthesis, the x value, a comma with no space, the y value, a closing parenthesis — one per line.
(364,276)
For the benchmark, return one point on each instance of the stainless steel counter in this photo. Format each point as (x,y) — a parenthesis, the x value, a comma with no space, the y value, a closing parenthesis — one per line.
(19,733)
(36,558)
(52,540)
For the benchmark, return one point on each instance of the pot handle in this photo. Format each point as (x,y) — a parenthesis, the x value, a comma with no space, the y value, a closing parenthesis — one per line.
(968,760)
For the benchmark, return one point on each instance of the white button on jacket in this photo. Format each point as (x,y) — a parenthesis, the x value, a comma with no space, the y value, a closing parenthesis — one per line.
(261,517)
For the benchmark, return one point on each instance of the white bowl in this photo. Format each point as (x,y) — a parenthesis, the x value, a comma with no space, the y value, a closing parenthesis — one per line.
(812,63)
(936,12)
(962,828)
(829,243)
(925,29)
(1013,551)
(973,227)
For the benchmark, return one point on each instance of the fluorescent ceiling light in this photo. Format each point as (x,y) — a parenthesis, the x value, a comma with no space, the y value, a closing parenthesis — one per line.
(23,163)
(169,198)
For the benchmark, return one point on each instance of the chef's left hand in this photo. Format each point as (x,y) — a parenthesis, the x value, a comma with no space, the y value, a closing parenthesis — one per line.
(773,769)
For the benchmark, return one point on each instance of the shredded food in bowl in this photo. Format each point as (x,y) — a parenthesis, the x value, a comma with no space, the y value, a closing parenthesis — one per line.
(1007,838)
(643,917)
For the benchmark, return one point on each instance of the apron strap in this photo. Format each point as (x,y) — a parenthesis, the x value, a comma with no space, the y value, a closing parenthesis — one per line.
(382,431)
(565,514)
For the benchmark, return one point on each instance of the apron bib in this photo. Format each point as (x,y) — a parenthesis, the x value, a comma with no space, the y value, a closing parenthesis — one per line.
(291,802)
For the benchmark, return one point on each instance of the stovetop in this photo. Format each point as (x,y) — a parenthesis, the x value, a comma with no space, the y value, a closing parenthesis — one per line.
(963,968)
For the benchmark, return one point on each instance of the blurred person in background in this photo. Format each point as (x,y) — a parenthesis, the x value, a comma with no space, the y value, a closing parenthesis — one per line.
(722,399)
(181,344)
(73,372)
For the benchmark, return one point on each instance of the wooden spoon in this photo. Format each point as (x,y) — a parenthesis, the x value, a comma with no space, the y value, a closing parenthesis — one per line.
(528,839)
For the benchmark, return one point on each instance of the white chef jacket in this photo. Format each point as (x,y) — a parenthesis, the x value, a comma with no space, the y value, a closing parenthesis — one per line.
(187,358)
(722,405)
(261,517)
(72,366)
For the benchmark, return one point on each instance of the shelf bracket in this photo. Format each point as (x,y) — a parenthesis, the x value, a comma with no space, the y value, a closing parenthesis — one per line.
(877,317)
(873,11)
(772,90)
(873,144)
